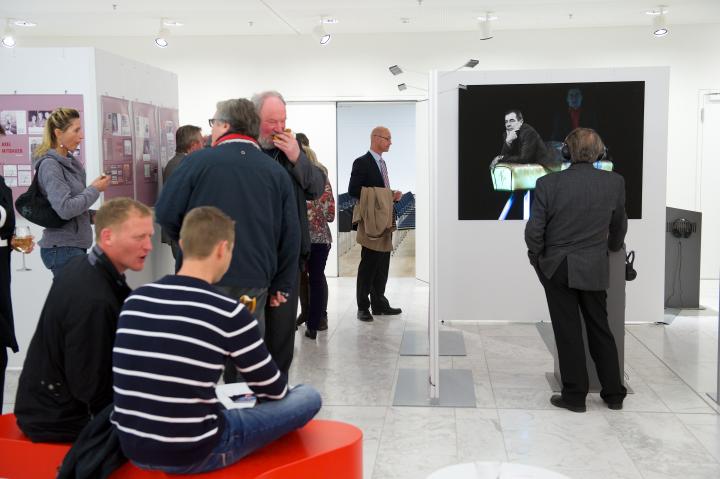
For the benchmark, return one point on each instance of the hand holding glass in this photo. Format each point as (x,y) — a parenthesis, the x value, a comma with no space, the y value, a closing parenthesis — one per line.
(23,242)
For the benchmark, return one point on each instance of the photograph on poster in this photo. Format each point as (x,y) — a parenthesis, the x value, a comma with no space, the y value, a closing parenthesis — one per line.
(34,142)
(125,125)
(127,147)
(169,128)
(24,175)
(107,126)
(115,124)
(9,170)
(510,135)
(36,120)
(13,121)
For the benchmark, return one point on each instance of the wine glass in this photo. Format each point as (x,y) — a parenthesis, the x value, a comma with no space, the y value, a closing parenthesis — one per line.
(22,242)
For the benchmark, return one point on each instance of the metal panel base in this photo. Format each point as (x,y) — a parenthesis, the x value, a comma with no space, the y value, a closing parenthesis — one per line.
(457,388)
(415,343)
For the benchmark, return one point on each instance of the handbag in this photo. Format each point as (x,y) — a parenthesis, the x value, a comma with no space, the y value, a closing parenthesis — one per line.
(630,273)
(34,206)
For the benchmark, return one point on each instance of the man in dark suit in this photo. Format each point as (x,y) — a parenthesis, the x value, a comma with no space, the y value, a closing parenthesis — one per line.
(188,138)
(370,170)
(578,215)
(521,143)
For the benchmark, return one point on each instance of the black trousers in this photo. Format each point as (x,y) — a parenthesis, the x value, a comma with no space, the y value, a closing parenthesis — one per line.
(314,286)
(371,279)
(280,329)
(565,304)
(3,367)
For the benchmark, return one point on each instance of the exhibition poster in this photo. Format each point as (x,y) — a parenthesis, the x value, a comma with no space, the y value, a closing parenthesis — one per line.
(23,117)
(168,119)
(511,135)
(117,148)
(146,154)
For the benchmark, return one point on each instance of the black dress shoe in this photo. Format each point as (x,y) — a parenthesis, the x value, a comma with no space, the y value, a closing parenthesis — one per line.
(557,401)
(323,324)
(387,311)
(310,333)
(364,315)
(616,406)
(300,319)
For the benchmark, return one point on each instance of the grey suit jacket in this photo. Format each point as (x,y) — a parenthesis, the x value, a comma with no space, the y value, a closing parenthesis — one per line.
(577,214)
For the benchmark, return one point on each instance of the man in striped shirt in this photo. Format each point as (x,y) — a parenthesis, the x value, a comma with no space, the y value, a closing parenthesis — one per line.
(173,339)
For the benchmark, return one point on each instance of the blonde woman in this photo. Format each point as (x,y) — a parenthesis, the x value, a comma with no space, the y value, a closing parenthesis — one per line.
(62,179)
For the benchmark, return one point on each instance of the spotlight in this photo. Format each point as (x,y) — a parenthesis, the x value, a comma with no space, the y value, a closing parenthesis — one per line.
(484,23)
(395,70)
(659,23)
(8,39)
(24,23)
(161,39)
(320,33)
(405,86)
(471,63)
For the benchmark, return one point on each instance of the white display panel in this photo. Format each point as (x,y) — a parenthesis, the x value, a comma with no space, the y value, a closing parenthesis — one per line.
(480,269)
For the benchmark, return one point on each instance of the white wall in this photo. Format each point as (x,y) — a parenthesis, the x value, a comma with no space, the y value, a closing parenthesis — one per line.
(481,270)
(317,121)
(355,122)
(90,73)
(75,75)
(354,67)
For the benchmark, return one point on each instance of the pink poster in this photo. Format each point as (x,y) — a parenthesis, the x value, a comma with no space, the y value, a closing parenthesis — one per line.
(23,118)
(168,119)
(117,147)
(146,152)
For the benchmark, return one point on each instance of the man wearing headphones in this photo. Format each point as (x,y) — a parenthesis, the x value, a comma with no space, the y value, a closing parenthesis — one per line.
(577,216)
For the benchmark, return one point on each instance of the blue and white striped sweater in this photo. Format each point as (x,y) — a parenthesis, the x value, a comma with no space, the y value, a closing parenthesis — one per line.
(173,339)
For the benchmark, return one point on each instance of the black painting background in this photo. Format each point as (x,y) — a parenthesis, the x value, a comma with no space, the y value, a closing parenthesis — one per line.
(619,111)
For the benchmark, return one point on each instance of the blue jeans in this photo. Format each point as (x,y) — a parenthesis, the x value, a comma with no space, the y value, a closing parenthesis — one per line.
(55,258)
(247,430)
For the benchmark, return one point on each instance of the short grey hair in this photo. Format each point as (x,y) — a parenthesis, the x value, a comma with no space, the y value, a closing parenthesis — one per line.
(241,116)
(259,98)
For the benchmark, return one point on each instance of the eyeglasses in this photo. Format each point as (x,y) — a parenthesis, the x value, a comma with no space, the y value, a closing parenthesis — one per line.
(386,138)
(212,121)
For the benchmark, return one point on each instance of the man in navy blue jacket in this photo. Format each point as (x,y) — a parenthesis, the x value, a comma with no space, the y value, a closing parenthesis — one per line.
(256,192)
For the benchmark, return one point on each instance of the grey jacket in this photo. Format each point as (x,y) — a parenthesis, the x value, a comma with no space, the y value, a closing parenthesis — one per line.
(62,180)
(578,214)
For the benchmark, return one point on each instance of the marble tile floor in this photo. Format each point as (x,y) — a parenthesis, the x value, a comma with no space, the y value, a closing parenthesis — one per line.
(668,429)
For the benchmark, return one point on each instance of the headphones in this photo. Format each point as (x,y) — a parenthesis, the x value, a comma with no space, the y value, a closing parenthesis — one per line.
(682,228)
(630,273)
(565,150)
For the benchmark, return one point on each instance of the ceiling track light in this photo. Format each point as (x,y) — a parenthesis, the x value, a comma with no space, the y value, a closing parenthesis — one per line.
(659,21)
(8,39)
(161,39)
(405,86)
(485,25)
(320,33)
(24,23)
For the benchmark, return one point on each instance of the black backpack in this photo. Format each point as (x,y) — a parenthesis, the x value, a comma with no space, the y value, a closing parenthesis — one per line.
(34,206)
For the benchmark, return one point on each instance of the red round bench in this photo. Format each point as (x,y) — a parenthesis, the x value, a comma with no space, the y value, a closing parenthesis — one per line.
(321,449)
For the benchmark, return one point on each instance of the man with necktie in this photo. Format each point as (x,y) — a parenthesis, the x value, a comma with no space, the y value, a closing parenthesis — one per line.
(370,170)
